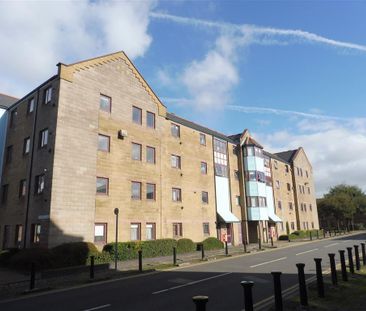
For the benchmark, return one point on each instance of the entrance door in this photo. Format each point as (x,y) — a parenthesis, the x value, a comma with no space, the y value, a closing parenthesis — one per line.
(229,233)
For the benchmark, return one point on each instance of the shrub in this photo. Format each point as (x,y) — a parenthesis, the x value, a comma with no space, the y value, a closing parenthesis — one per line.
(212,243)
(185,246)
(42,258)
(6,255)
(283,237)
(74,254)
(100,258)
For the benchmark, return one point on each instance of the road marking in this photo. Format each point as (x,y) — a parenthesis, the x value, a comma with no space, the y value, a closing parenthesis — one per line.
(331,245)
(267,262)
(98,308)
(191,283)
(309,251)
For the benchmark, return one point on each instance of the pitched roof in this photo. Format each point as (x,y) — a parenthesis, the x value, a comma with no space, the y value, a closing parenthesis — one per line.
(287,155)
(6,101)
(198,127)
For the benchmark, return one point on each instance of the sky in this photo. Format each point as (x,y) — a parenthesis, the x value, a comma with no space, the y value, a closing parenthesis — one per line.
(292,72)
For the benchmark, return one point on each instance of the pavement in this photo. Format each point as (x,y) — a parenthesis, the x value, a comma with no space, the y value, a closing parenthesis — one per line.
(173,289)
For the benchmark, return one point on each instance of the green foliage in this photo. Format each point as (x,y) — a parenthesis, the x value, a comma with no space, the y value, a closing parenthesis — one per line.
(6,255)
(42,258)
(283,237)
(185,246)
(212,243)
(305,234)
(73,254)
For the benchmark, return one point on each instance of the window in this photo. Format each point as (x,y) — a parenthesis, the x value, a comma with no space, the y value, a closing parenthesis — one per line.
(175,130)
(237,175)
(102,185)
(175,161)
(150,191)
(105,103)
(292,225)
(262,201)
(22,188)
(135,230)
(237,199)
(301,172)
(288,187)
(304,224)
(300,189)
(13,115)
(103,142)
(176,194)
(290,206)
(9,154)
(202,139)
(303,189)
(307,174)
(18,234)
(203,168)
(43,138)
(136,115)
(6,234)
(312,225)
(36,233)
(150,120)
(26,145)
(100,233)
(279,205)
(30,106)
(298,171)
(150,231)
(150,155)
(261,177)
(251,175)
(266,162)
(206,228)
(275,164)
(47,95)
(277,184)
(204,197)
(305,207)
(136,152)
(286,168)
(39,186)
(310,207)
(135,190)
(177,229)
(4,193)
(308,190)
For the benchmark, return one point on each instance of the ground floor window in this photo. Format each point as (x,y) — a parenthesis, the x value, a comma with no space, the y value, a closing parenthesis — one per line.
(206,228)
(177,229)
(100,233)
(150,231)
(18,235)
(36,233)
(292,225)
(135,230)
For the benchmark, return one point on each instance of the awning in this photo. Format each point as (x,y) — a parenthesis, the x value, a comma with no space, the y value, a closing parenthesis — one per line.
(227,216)
(274,218)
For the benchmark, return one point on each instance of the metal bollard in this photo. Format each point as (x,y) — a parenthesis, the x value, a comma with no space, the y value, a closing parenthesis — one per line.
(319,277)
(226,249)
(202,252)
(311,237)
(317,234)
(248,296)
(324,233)
(91,267)
(333,268)
(200,302)
(272,241)
(358,266)
(277,290)
(350,260)
(259,243)
(32,276)
(363,253)
(245,245)
(140,260)
(174,256)
(343,265)
(302,284)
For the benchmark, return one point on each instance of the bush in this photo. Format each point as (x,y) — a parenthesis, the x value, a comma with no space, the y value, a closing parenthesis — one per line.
(283,237)
(212,243)
(6,255)
(152,248)
(185,246)
(102,257)
(305,234)
(74,254)
(42,258)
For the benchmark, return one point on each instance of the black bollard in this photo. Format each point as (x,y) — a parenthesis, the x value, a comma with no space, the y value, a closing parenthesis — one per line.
(272,241)
(91,267)
(140,260)
(174,256)
(350,260)
(202,252)
(226,249)
(245,245)
(317,234)
(343,265)
(333,268)
(324,233)
(319,277)
(311,237)
(277,290)
(32,276)
(259,243)
(302,284)
(363,253)
(357,255)
(248,297)
(200,302)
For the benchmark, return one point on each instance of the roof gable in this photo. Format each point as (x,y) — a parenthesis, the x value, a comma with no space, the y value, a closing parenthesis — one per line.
(7,101)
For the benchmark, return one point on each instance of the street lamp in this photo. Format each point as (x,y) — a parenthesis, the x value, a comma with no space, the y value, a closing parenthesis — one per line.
(116,212)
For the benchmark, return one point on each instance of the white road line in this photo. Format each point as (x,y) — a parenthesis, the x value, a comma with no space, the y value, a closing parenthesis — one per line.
(98,308)
(191,283)
(267,262)
(309,251)
(331,245)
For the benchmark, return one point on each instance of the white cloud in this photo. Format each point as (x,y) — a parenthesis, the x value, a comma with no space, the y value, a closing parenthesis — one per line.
(36,35)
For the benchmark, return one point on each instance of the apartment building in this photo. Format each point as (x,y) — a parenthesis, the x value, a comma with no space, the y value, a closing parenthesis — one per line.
(95,137)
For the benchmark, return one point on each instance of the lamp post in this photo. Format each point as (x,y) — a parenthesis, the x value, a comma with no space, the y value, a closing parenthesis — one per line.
(116,212)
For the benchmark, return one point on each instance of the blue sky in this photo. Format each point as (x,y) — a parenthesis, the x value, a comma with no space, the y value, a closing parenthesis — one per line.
(292,72)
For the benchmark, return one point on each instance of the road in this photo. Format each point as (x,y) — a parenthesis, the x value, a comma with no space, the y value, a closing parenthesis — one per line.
(173,290)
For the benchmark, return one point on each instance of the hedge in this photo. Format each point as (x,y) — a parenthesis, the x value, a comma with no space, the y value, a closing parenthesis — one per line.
(212,243)
(74,254)
(185,246)
(304,234)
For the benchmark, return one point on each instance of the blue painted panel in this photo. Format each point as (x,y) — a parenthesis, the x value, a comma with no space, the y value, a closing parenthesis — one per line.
(257,213)
(262,189)
(259,164)
(250,164)
(251,188)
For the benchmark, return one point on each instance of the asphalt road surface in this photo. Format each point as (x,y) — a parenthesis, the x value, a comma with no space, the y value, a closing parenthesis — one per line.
(173,290)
